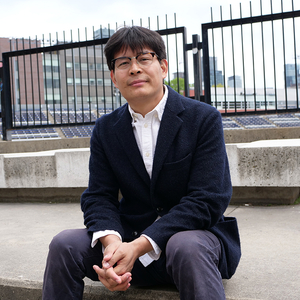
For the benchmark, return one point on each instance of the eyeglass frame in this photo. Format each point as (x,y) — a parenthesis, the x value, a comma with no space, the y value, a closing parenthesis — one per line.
(130,58)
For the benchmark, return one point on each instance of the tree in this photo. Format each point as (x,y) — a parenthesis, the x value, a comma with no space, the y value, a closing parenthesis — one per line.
(174,85)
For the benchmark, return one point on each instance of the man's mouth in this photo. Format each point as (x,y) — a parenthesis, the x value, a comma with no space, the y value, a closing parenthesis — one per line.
(138,82)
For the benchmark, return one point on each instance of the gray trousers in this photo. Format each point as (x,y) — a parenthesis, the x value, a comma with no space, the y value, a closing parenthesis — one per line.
(190,262)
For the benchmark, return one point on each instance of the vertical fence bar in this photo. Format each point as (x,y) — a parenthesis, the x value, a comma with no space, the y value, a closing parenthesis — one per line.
(178,86)
(185,62)
(13,85)
(59,79)
(253,60)
(224,67)
(111,87)
(6,105)
(32,85)
(263,56)
(168,56)
(295,54)
(39,85)
(25,84)
(284,59)
(197,70)
(80,75)
(274,63)
(74,77)
(46,84)
(66,81)
(88,77)
(52,81)
(233,60)
(206,72)
(243,60)
(19,85)
(96,76)
(214,58)
(102,69)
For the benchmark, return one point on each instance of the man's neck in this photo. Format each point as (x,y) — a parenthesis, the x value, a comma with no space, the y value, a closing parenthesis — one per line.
(144,106)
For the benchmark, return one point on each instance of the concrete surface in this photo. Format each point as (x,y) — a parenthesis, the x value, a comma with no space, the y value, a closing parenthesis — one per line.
(262,164)
(269,268)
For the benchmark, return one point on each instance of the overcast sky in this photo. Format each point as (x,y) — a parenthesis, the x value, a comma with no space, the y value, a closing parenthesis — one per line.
(30,18)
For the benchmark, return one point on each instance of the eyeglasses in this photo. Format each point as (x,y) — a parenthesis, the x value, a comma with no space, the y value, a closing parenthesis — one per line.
(143,59)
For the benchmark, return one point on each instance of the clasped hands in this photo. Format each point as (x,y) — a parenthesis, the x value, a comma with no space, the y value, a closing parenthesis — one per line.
(118,260)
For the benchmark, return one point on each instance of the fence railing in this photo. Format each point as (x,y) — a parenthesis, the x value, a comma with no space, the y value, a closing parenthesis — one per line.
(68,83)
(258,54)
(241,66)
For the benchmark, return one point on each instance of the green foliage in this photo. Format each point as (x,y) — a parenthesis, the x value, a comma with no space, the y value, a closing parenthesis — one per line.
(174,85)
(297,201)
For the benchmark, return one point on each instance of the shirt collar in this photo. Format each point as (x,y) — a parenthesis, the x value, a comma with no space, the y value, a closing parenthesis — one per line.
(159,108)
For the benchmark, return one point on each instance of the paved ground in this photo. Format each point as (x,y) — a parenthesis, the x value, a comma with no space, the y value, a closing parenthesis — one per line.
(269,268)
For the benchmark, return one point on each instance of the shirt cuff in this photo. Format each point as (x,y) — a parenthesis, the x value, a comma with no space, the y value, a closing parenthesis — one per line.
(99,234)
(149,257)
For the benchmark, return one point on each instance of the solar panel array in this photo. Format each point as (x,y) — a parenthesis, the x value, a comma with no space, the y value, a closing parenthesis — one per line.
(229,123)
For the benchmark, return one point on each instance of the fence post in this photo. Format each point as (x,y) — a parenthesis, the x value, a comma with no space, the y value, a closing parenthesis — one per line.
(206,70)
(6,109)
(185,61)
(197,66)
(1,87)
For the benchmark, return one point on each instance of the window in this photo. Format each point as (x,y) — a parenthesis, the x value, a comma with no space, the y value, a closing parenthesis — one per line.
(69,65)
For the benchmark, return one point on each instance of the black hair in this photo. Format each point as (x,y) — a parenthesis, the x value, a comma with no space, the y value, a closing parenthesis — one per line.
(135,38)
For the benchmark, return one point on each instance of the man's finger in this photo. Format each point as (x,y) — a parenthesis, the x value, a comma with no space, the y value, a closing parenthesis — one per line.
(111,284)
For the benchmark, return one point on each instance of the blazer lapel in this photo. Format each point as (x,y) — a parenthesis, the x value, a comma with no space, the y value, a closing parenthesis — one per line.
(124,132)
(170,124)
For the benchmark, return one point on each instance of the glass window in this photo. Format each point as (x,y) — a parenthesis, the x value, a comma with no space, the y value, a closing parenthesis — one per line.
(69,65)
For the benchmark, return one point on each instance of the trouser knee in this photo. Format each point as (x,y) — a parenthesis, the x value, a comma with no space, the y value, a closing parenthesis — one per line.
(192,248)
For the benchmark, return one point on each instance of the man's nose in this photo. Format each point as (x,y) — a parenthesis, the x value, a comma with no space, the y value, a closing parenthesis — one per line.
(134,66)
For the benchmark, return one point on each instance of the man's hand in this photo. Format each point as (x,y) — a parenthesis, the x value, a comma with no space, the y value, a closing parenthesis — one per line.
(118,261)
(111,280)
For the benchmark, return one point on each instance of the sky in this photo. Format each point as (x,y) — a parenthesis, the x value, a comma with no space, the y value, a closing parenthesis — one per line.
(31,18)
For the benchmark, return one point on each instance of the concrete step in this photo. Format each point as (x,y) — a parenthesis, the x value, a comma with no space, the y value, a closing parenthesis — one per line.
(269,268)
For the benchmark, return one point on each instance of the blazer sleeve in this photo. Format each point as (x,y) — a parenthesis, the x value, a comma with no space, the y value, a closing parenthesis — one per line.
(99,202)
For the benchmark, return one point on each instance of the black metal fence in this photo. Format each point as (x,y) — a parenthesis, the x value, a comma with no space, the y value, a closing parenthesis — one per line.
(259,57)
(68,83)
(62,83)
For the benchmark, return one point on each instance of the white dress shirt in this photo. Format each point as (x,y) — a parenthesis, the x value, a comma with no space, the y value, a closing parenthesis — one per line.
(145,130)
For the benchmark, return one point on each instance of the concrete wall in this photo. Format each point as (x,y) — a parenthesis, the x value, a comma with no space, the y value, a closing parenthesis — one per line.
(66,168)
(265,172)
(42,145)
(262,172)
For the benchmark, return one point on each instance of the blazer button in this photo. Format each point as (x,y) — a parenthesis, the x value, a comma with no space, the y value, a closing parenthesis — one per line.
(134,233)
(159,209)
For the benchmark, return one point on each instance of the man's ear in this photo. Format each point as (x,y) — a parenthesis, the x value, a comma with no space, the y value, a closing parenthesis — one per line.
(113,78)
(164,67)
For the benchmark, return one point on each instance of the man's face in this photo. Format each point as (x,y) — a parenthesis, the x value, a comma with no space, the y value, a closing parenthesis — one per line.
(139,83)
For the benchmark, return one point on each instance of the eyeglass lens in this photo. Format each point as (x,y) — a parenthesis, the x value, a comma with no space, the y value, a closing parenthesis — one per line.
(143,59)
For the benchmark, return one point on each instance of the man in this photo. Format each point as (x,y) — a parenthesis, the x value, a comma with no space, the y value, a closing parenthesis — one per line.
(166,154)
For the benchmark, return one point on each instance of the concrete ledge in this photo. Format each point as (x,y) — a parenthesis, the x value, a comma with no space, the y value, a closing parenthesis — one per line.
(47,169)
(14,289)
(26,229)
(264,195)
(251,135)
(263,172)
(50,195)
(42,145)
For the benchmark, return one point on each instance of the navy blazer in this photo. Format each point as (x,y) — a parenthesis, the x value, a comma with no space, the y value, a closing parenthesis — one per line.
(190,186)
